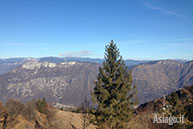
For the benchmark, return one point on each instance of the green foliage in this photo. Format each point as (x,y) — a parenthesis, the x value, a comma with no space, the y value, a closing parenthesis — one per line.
(189,112)
(181,105)
(176,108)
(114,91)
(41,105)
(173,99)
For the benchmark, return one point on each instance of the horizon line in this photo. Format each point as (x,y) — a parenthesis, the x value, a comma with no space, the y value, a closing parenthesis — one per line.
(96,58)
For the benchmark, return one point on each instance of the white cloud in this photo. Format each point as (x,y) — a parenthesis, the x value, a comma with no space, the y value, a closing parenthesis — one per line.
(171,13)
(82,53)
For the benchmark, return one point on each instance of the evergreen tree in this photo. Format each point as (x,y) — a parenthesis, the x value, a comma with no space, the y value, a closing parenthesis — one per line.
(41,105)
(114,91)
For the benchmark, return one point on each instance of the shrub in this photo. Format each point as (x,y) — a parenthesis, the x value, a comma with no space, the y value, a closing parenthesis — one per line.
(29,111)
(50,113)
(2,111)
(173,99)
(43,107)
(14,108)
(189,112)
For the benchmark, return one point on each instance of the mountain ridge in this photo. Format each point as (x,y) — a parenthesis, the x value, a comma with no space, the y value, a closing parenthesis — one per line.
(70,82)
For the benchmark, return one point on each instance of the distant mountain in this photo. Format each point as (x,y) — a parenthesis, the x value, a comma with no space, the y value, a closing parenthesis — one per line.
(62,59)
(158,78)
(69,82)
(186,78)
(135,62)
(9,64)
(91,60)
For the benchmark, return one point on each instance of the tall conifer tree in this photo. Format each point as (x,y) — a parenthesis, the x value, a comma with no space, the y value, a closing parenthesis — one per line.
(114,91)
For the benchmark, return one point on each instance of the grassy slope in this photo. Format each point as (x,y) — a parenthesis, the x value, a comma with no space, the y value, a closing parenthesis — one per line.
(69,120)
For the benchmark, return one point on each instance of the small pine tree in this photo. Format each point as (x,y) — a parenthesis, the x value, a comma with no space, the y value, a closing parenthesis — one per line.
(114,91)
(41,105)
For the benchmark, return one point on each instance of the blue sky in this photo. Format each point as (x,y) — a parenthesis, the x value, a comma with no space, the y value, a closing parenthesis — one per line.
(142,29)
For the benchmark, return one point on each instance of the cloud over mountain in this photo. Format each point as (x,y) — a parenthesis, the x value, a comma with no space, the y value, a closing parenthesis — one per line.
(82,53)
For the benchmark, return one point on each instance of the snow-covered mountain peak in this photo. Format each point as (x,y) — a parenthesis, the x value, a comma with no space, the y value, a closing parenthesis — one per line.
(35,64)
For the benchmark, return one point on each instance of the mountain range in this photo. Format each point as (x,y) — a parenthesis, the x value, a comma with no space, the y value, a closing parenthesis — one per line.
(10,63)
(69,80)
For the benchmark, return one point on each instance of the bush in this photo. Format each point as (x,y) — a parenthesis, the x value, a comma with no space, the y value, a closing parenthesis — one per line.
(14,108)
(2,110)
(29,111)
(43,107)
(50,113)
(189,112)
(1,106)
(173,99)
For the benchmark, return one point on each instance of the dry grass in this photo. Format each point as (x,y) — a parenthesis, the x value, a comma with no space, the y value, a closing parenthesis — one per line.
(67,120)
(22,123)
(63,120)
(140,121)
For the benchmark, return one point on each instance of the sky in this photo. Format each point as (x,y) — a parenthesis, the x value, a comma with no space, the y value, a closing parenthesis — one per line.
(142,29)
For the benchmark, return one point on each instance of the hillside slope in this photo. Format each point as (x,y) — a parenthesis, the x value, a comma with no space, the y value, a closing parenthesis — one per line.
(67,83)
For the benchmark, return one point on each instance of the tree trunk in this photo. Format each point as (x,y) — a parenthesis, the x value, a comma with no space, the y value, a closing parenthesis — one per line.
(5,121)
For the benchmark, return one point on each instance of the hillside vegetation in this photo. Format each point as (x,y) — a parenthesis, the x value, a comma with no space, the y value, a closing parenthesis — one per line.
(176,104)
(37,115)
(42,116)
